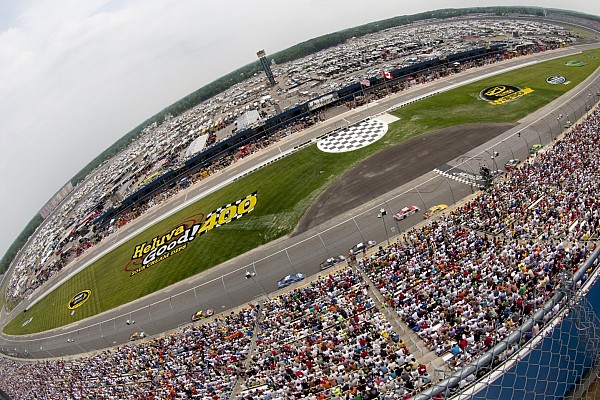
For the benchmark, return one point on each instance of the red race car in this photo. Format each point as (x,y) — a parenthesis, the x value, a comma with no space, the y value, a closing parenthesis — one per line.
(406,212)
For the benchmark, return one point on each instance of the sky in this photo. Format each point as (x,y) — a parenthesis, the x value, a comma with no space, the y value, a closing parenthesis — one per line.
(75,76)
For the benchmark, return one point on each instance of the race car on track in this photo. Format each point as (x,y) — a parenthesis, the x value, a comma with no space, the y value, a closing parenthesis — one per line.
(331,261)
(406,212)
(511,164)
(201,314)
(137,336)
(288,280)
(433,210)
(362,246)
(535,148)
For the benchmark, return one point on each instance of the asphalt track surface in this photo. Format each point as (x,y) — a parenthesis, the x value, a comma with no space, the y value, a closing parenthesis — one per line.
(344,215)
(395,167)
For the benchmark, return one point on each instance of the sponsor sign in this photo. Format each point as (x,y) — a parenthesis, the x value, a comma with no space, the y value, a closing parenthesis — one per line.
(501,94)
(177,239)
(575,63)
(24,324)
(79,299)
(322,101)
(556,80)
(56,200)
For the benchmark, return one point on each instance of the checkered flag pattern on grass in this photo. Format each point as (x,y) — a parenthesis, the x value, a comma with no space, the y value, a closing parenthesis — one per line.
(354,137)
(225,208)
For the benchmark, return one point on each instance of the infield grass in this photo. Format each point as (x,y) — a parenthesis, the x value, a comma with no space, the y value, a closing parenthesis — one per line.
(286,189)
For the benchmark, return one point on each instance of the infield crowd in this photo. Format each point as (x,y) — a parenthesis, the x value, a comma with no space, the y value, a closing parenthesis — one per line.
(461,282)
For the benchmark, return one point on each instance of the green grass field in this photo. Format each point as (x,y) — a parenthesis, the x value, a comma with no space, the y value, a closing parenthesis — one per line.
(286,189)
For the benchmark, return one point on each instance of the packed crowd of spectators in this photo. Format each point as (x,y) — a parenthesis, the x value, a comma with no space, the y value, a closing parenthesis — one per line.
(462,282)
(329,340)
(196,362)
(462,292)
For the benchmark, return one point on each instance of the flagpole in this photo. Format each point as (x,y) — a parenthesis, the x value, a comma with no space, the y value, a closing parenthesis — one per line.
(362,88)
(385,80)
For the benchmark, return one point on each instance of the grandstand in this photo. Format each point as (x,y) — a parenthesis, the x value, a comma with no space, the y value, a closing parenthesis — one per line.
(494,292)
(494,299)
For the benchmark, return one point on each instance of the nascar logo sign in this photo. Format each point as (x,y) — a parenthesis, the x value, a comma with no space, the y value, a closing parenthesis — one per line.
(79,299)
(501,94)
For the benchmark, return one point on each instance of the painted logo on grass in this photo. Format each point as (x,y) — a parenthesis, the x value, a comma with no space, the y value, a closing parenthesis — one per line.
(193,219)
(556,80)
(177,239)
(501,94)
(575,63)
(79,299)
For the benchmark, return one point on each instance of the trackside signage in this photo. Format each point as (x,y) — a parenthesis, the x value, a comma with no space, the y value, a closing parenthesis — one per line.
(79,299)
(556,80)
(575,63)
(501,94)
(177,239)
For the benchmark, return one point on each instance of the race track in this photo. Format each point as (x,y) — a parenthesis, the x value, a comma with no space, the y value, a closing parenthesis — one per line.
(330,226)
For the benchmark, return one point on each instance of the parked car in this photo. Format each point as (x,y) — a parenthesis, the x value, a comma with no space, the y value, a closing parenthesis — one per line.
(331,261)
(511,164)
(406,212)
(435,209)
(535,148)
(359,247)
(289,279)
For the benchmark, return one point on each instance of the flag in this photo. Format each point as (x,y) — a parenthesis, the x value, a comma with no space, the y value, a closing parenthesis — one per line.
(365,82)
(387,74)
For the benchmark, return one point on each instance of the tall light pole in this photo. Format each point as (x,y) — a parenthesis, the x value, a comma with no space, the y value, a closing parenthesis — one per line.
(493,156)
(382,214)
